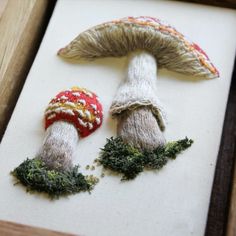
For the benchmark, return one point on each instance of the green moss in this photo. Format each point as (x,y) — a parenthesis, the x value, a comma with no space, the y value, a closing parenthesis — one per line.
(35,175)
(129,161)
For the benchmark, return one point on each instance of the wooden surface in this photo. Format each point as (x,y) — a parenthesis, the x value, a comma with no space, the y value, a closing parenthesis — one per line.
(22,23)
(220,197)
(224,3)
(3,4)
(231,226)
(13,229)
(222,209)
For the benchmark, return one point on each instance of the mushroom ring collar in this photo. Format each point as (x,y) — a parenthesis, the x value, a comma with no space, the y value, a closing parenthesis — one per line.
(150,44)
(70,115)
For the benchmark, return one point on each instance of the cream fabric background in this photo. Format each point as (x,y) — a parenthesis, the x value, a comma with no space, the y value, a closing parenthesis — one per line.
(173,201)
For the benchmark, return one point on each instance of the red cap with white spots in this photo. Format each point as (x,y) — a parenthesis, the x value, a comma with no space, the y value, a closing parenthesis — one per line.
(78,106)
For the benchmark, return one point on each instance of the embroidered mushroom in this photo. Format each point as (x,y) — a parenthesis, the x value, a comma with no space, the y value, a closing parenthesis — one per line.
(70,115)
(150,43)
(171,49)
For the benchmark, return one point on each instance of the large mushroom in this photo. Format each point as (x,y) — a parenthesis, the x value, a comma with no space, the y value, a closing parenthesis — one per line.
(70,115)
(150,43)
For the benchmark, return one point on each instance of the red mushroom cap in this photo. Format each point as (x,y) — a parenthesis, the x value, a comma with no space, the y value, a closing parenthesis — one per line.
(78,106)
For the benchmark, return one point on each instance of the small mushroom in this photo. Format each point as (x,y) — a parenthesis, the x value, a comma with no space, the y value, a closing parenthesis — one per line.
(71,115)
(151,44)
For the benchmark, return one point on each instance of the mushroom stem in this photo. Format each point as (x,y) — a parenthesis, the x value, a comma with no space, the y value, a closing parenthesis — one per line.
(138,125)
(139,128)
(142,69)
(59,146)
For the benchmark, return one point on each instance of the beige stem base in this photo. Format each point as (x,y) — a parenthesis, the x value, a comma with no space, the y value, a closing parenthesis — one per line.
(59,146)
(139,127)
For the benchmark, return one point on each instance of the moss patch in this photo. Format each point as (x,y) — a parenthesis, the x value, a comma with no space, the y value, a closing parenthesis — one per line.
(129,161)
(34,174)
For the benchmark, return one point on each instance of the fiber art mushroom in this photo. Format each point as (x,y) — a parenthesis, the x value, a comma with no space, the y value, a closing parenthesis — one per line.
(150,44)
(72,114)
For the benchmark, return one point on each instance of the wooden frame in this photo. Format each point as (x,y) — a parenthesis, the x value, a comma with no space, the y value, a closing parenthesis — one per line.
(222,209)
(12,229)
(22,26)
(224,3)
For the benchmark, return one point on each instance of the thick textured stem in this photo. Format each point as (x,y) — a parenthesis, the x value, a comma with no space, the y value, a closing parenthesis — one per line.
(139,128)
(139,125)
(59,146)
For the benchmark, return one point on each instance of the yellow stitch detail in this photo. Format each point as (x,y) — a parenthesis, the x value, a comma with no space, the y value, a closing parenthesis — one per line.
(173,32)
